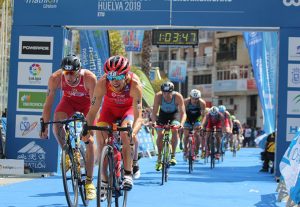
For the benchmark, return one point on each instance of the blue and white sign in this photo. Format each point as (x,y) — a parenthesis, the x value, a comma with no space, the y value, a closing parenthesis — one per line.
(177,71)
(294,75)
(290,168)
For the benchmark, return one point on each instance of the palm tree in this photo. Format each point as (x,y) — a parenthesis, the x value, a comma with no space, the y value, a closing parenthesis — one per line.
(146,52)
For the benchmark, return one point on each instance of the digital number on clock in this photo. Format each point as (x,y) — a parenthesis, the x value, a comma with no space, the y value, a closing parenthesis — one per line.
(174,37)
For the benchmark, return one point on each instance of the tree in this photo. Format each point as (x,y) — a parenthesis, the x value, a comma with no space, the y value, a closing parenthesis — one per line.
(116,43)
(146,52)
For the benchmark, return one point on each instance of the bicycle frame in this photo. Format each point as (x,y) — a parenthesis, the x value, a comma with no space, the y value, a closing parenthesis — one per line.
(108,161)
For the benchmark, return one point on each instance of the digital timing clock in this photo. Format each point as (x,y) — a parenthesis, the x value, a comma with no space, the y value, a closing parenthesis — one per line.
(174,37)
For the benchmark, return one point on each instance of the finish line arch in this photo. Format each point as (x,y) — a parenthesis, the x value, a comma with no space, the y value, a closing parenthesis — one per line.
(39,34)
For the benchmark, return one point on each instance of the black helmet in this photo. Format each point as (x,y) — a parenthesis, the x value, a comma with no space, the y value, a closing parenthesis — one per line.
(71,63)
(167,87)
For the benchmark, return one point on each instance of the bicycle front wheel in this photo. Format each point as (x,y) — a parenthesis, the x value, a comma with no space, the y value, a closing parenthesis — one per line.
(83,174)
(105,167)
(69,175)
(212,152)
(190,156)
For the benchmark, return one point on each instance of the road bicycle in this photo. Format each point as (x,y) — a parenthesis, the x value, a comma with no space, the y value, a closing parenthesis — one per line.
(235,143)
(74,175)
(166,151)
(212,142)
(191,148)
(110,162)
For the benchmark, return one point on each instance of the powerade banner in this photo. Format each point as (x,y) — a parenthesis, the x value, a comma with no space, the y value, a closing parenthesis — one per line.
(158,12)
(290,168)
(94,46)
(36,52)
(263,51)
(133,40)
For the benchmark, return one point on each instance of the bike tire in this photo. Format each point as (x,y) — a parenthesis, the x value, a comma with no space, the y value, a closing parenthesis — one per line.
(190,156)
(106,156)
(82,178)
(69,176)
(212,152)
(234,145)
(165,164)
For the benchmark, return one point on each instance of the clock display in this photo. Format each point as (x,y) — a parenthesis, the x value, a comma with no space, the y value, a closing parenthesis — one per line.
(174,37)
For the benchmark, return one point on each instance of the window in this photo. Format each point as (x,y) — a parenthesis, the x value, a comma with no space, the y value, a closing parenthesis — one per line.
(201,79)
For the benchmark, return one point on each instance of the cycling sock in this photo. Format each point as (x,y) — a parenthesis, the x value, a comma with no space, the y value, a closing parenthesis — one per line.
(135,163)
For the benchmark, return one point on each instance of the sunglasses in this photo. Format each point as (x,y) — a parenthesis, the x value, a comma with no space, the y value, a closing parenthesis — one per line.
(117,77)
(70,72)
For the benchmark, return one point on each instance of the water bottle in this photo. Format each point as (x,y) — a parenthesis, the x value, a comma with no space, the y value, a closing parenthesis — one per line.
(117,158)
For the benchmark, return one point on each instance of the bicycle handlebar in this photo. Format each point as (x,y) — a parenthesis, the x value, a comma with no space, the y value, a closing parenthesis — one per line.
(166,126)
(66,121)
(109,129)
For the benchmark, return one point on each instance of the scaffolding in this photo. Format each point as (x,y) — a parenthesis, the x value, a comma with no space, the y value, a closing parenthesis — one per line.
(5,37)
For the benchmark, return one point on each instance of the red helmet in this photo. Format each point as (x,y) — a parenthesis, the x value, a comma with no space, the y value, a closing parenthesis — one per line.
(118,64)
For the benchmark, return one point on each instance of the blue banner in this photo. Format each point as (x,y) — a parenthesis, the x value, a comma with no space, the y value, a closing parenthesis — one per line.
(290,169)
(31,69)
(263,51)
(94,45)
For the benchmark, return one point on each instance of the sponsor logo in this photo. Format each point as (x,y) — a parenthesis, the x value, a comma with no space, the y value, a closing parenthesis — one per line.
(33,155)
(295,75)
(31,100)
(47,4)
(291,2)
(35,71)
(294,48)
(36,48)
(26,127)
(292,127)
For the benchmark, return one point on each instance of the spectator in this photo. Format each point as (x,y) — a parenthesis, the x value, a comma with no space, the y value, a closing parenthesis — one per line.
(4,113)
(268,154)
(247,136)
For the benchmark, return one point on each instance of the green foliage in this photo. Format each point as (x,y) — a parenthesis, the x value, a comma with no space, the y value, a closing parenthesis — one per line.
(116,43)
(157,83)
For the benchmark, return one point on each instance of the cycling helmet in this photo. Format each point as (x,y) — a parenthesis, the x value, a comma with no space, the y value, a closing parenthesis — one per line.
(167,87)
(71,63)
(214,111)
(222,108)
(195,93)
(233,117)
(117,65)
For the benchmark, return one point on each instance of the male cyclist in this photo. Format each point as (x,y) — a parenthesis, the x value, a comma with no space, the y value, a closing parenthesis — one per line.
(170,102)
(121,92)
(77,86)
(214,119)
(237,130)
(195,107)
(228,123)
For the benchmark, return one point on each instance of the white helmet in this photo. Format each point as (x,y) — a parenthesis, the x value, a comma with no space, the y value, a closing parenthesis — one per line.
(195,93)
(214,111)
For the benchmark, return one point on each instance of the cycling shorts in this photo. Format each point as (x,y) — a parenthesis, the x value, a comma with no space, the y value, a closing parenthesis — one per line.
(191,125)
(111,115)
(70,107)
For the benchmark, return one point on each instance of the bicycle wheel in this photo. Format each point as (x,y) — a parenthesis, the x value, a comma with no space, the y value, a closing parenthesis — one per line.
(105,159)
(234,146)
(69,176)
(190,155)
(212,152)
(165,163)
(82,176)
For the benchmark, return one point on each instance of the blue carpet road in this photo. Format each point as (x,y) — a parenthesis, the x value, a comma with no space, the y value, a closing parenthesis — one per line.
(235,182)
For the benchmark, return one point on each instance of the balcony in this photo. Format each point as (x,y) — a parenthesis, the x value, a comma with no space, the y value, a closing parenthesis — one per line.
(226,55)
(202,62)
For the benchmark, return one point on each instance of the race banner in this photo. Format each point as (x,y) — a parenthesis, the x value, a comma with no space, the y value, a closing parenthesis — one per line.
(94,46)
(132,40)
(177,71)
(263,51)
(290,168)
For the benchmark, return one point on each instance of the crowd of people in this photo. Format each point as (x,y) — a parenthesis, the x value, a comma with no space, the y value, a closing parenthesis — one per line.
(117,95)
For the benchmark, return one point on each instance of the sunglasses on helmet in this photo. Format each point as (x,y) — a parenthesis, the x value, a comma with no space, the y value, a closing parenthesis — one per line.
(65,72)
(117,77)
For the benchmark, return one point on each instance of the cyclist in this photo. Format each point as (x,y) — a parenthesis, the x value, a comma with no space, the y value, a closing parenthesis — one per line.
(170,102)
(195,107)
(121,92)
(236,129)
(214,118)
(228,123)
(77,85)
